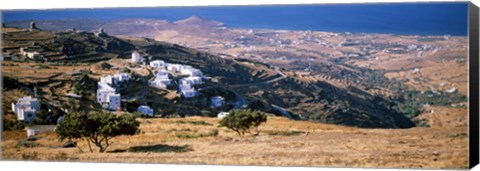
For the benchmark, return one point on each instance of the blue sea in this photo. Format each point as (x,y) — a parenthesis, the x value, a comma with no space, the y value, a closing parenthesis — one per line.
(392,18)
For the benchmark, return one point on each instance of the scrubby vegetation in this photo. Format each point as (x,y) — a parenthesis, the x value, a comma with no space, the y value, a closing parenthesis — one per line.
(96,128)
(284,133)
(241,121)
(193,122)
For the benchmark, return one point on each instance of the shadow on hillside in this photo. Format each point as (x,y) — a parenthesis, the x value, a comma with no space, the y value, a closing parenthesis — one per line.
(158,148)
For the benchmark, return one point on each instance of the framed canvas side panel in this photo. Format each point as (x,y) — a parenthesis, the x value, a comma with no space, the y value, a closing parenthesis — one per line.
(474,93)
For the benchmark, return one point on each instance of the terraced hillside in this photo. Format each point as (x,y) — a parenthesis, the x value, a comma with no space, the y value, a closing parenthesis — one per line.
(262,85)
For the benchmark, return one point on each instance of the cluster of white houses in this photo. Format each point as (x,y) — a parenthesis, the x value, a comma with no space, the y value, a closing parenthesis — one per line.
(107,90)
(163,70)
(162,79)
(186,84)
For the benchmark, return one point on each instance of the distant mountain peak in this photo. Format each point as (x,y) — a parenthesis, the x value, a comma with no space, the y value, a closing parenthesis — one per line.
(197,20)
(193,18)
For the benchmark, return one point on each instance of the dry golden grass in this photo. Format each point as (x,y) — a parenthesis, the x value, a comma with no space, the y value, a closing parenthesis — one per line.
(316,145)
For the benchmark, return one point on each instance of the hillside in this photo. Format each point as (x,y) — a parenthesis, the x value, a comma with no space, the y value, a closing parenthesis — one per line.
(261,84)
(281,142)
(66,46)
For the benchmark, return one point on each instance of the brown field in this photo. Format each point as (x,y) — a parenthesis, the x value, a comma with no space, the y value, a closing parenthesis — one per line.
(280,143)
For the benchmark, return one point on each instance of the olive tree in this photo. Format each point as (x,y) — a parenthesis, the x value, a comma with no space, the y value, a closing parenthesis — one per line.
(97,128)
(241,121)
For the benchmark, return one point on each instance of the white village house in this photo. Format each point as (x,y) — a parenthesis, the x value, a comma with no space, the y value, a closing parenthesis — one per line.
(107,96)
(26,108)
(187,91)
(160,82)
(217,101)
(161,79)
(453,89)
(136,57)
(30,132)
(107,79)
(222,114)
(116,79)
(145,110)
(195,80)
(162,74)
(191,71)
(159,64)
(30,54)
(174,67)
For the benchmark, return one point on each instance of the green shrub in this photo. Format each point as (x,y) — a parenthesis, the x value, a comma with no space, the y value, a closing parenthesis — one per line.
(241,121)
(105,66)
(96,128)
(13,124)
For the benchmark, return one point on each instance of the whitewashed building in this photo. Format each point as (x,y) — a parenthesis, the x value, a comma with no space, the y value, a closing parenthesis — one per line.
(147,110)
(26,108)
(116,79)
(162,74)
(217,101)
(191,72)
(161,79)
(174,67)
(222,114)
(33,55)
(195,80)
(107,97)
(30,132)
(136,57)
(30,54)
(159,64)
(453,89)
(160,82)
(107,79)
(416,70)
(184,87)
(187,91)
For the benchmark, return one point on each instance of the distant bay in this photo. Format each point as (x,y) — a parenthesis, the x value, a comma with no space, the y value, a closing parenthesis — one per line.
(391,18)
